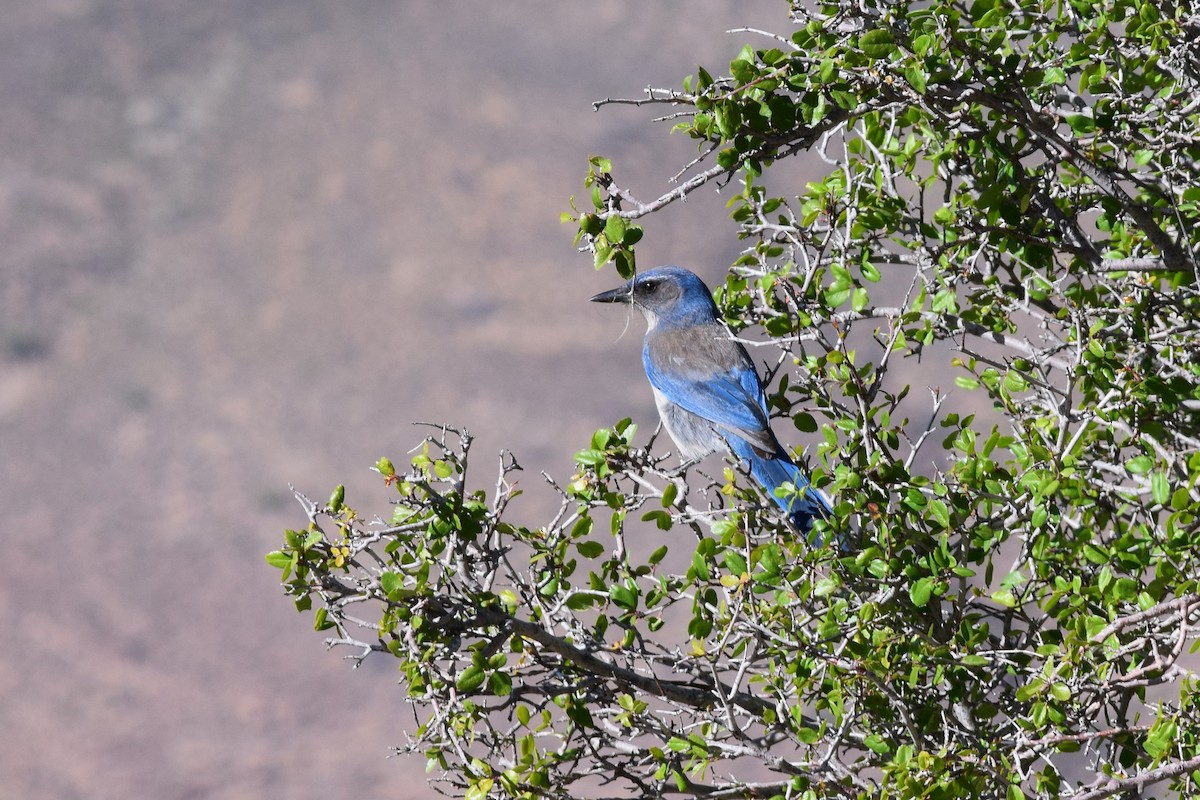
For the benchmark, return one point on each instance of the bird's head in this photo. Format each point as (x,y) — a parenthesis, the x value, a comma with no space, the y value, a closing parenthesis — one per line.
(665,295)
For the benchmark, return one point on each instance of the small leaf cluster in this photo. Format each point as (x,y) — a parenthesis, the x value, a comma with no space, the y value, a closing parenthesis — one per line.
(609,235)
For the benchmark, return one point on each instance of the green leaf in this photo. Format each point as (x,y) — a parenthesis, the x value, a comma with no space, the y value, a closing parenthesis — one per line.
(1015,382)
(337,498)
(945,301)
(390,582)
(470,679)
(604,252)
(677,745)
(625,263)
(836,296)
(1054,76)
(614,228)
(920,591)
(1160,487)
(579,601)
(828,69)
(940,513)
(582,527)
(1125,588)
(916,78)
(660,517)
(1139,465)
(279,559)
(500,683)
(1081,124)
(591,457)
(589,549)
(805,422)
(826,586)
(623,596)
(1005,598)
(580,715)
(877,43)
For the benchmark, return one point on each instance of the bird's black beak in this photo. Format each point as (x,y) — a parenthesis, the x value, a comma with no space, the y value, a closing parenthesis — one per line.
(619,295)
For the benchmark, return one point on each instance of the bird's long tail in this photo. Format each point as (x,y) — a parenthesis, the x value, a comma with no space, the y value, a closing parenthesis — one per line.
(806,505)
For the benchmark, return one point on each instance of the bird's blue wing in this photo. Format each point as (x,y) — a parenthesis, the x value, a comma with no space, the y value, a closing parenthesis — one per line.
(720,399)
(705,372)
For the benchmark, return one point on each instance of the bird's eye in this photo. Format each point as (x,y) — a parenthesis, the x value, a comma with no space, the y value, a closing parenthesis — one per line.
(649,285)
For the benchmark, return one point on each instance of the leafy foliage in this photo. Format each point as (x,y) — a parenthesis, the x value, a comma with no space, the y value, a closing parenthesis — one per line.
(1010,199)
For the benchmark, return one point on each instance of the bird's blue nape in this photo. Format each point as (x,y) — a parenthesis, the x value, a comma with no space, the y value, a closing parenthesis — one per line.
(707,389)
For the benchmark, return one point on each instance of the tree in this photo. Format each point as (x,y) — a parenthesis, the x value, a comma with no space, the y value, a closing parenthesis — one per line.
(1011,203)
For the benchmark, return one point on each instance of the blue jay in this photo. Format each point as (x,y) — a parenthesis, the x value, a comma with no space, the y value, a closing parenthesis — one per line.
(708,393)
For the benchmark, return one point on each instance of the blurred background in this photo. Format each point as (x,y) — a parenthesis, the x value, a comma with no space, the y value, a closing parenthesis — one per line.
(246,243)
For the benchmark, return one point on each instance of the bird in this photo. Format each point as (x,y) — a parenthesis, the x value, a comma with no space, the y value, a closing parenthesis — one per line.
(707,390)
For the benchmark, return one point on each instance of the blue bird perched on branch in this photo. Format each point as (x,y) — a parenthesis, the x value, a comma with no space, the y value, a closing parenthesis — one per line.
(707,390)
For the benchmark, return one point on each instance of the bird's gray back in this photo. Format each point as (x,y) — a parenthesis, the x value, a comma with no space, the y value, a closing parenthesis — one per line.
(697,351)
